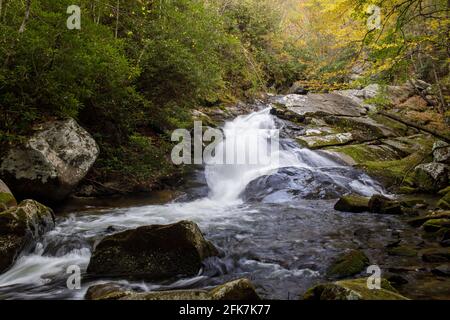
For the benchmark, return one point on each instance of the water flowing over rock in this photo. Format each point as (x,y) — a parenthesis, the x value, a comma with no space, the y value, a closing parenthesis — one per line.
(152,252)
(51,163)
(241,289)
(20,227)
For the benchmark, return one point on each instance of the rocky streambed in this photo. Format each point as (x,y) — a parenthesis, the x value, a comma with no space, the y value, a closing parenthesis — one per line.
(353,189)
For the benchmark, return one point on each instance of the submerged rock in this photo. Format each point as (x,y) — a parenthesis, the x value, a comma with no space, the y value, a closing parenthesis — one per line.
(348,264)
(51,163)
(7,199)
(356,289)
(352,203)
(241,289)
(152,252)
(19,228)
(436,255)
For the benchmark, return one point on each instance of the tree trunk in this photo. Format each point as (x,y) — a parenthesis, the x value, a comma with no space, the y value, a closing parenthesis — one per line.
(26,17)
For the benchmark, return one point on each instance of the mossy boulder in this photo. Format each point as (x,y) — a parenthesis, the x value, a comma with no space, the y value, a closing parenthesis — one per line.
(435,225)
(7,199)
(20,227)
(356,289)
(441,152)
(436,255)
(418,222)
(383,205)
(431,177)
(348,264)
(352,203)
(317,142)
(241,289)
(152,252)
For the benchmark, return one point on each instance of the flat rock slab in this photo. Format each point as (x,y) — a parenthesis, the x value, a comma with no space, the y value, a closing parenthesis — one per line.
(320,104)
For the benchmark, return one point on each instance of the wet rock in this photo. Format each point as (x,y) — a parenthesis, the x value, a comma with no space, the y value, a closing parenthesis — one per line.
(431,177)
(152,252)
(435,225)
(241,289)
(367,128)
(317,142)
(436,255)
(418,222)
(348,264)
(284,113)
(383,205)
(356,289)
(352,203)
(442,270)
(20,227)
(396,280)
(402,251)
(7,199)
(441,152)
(51,163)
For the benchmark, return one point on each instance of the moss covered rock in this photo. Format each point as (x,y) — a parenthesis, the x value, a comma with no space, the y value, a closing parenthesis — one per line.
(7,199)
(444,203)
(418,222)
(383,205)
(356,289)
(434,225)
(20,227)
(352,203)
(241,289)
(431,177)
(152,252)
(348,264)
(402,251)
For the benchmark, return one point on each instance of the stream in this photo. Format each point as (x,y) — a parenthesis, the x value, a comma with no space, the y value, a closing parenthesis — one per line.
(274,224)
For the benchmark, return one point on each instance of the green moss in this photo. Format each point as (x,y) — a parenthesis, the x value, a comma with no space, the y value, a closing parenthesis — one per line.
(349,264)
(7,200)
(396,126)
(435,225)
(444,203)
(351,203)
(356,289)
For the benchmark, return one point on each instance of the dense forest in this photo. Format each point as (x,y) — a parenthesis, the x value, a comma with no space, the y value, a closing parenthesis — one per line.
(136,69)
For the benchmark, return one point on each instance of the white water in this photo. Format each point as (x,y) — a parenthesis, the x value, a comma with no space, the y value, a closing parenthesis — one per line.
(223,210)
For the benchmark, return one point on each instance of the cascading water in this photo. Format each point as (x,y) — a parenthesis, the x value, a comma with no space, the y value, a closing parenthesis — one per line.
(273,220)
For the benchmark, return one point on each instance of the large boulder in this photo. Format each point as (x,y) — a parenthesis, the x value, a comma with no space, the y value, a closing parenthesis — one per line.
(241,289)
(383,205)
(152,252)
(7,199)
(20,227)
(431,177)
(51,162)
(356,289)
(348,264)
(441,152)
(315,104)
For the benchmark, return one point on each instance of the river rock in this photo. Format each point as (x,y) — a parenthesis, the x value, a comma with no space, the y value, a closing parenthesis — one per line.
(441,152)
(352,203)
(348,264)
(444,202)
(356,289)
(432,176)
(152,252)
(51,162)
(436,255)
(442,270)
(435,225)
(383,205)
(241,289)
(7,199)
(20,227)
